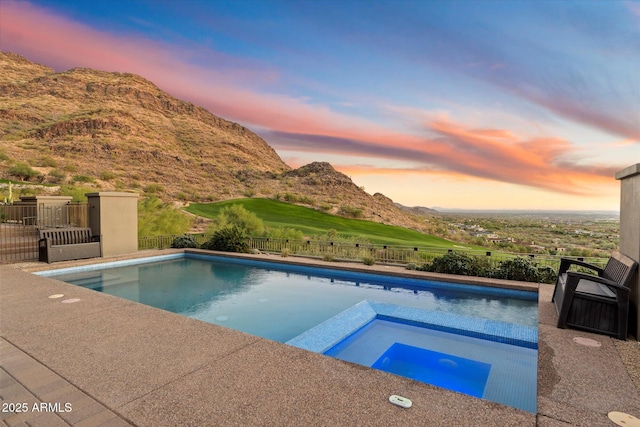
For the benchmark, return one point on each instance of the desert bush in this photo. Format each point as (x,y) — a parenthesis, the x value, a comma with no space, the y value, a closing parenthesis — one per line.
(283,233)
(56,175)
(153,188)
(47,162)
(107,176)
(291,198)
(184,241)
(77,193)
(368,260)
(156,218)
(82,178)
(23,171)
(350,211)
(237,216)
(230,239)
(306,200)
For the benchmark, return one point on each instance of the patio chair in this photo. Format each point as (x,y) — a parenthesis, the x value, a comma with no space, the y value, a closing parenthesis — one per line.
(595,303)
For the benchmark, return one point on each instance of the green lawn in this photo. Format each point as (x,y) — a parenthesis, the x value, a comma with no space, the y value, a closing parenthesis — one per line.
(311,222)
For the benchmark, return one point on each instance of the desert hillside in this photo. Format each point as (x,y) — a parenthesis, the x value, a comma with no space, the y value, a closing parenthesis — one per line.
(118,131)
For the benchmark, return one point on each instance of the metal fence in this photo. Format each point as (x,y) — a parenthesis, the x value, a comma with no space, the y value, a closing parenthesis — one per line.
(390,254)
(19,225)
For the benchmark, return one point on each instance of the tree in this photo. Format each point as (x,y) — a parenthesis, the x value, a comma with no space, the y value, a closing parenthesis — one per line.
(23,171)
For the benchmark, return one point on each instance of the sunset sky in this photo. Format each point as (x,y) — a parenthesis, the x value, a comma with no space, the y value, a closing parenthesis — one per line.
(454,104)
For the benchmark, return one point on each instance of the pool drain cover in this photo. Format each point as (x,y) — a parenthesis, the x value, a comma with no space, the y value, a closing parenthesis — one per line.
(623,419)
(586,341)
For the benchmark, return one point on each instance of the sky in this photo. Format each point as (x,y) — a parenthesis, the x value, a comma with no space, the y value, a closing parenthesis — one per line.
(486,104)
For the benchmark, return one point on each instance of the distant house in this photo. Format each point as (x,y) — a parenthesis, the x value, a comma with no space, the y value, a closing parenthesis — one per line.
(486,235)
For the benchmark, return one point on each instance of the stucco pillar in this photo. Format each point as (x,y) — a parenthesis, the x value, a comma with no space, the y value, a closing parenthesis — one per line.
(114,216)
(630,235)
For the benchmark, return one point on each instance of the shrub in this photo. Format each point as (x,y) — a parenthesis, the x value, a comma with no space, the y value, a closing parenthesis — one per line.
(23,171)
(153,188)
(77,193)
(327,257)
(306,200)
(350,211)
(547,274)
(184,241)
(82,178)
(291,198)
(156,218)
(237,216)
(107,176)
(285,252)
(368,260)
(56,175)
(518,268)
(456,263)
(228,240)
(283,233)
(48,162)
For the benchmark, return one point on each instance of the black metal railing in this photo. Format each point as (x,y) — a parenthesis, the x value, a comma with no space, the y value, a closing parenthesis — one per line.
(379,253)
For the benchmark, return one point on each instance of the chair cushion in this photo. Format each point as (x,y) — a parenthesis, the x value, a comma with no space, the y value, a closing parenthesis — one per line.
(589,287)
(594,288)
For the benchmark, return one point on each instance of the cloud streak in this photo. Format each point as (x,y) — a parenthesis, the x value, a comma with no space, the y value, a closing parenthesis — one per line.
(452,148)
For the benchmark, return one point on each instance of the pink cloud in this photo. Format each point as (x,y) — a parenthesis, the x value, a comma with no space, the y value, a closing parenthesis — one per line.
(454,149)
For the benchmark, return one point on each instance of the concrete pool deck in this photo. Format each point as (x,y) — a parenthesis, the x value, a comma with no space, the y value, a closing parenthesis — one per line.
(119,363)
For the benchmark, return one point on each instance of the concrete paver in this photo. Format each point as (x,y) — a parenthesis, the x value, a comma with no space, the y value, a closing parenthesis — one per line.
(27,398)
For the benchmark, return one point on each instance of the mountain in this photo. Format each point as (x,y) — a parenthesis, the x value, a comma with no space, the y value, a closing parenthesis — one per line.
(417,210)
(118,131)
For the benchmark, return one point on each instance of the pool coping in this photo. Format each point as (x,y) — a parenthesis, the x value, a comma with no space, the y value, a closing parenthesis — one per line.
(380,268)
(253,386)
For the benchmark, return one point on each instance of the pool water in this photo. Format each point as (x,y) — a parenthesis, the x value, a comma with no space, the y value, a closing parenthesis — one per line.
(495,371)
(272,301)
(475,340)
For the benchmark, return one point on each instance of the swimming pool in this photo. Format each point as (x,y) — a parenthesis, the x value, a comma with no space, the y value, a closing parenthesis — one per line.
(281,301)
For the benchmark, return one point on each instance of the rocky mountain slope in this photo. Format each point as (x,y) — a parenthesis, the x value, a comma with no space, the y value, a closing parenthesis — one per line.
(118,131)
